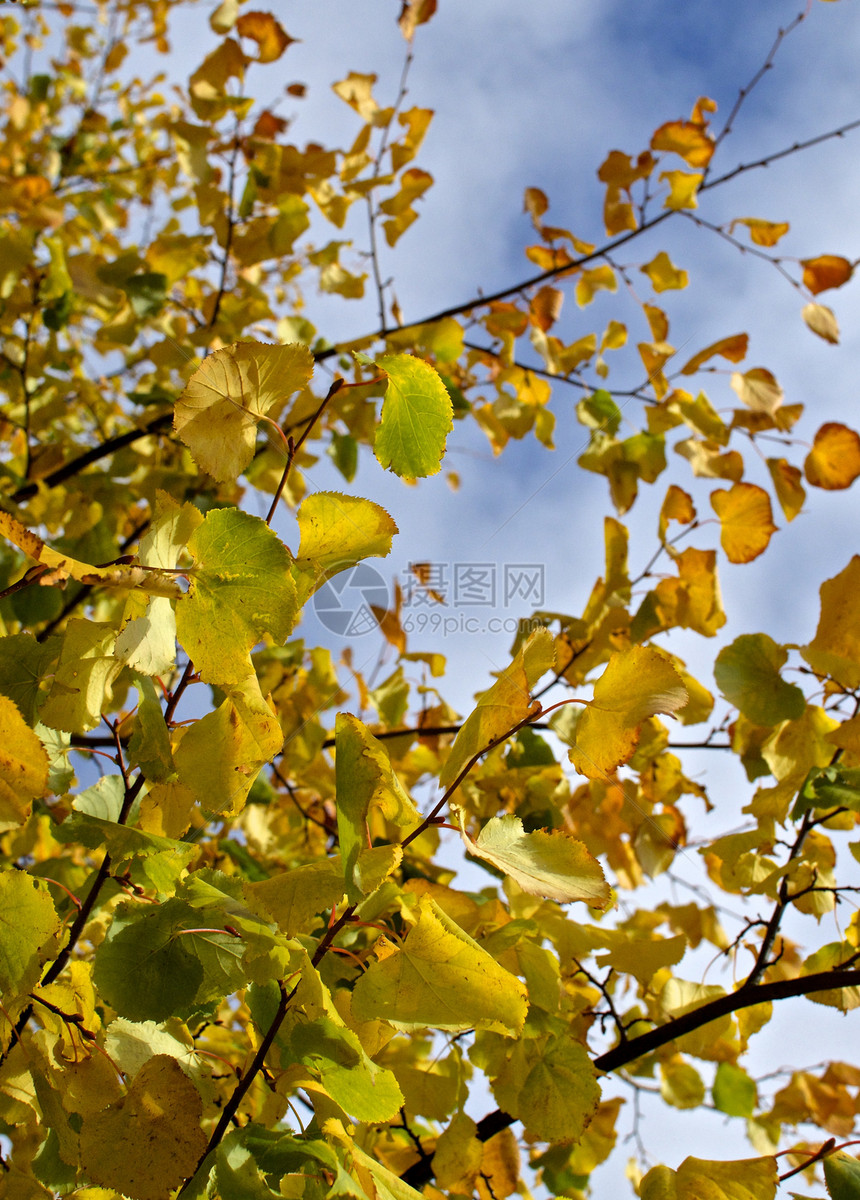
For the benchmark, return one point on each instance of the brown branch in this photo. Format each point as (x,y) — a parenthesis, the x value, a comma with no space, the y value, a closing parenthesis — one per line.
(627,1052)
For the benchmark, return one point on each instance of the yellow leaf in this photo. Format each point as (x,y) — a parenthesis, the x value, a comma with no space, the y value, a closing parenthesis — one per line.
(695,1179)
(825,272)
(786,482)
(357,90)
(62,566)
(262,28)
(500,1167)
(658,322)
(637,683)
(336,532)
(708,460)
(545,862)
(833,463)
(618,214)
(758,390)
(217,414)
(589,282)
(663,274)
(618,170)
(149,1142)
(682,189)
(762,233)
(746,521)
(469,989)
(733,348)
(414,13)
(835,649)
(686,138)
(503,705)
(822,321)
(23,766)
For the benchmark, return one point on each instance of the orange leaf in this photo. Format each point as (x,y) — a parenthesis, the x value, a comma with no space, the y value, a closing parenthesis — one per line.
(678,506)
(618,171)
(262,28)
(597,279)
(833,463)
(826,271)
(535,204)
(414,13)
(686,138)
(618,214)
(762,233)
(733,348)
(545,308)
(746,521)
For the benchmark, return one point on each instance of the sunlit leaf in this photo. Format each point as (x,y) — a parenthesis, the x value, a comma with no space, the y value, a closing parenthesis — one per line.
(746,521)
(217,414)
(825,272)
(822,321)
(833,462)
(663,275)
(733,348)
(636,684)
(416,417)
(262,28)
(758,389)
(503,706)
(696,1179)
(240,590)
(543,863)
(30,927)
(762,233)
(789,490)
(835,649)
(469,989)
(748,674)
(148,1142)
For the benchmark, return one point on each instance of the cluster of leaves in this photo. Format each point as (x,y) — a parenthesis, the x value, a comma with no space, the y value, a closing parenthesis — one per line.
(235,964)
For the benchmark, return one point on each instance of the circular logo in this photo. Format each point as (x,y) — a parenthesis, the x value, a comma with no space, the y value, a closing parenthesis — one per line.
(344,603)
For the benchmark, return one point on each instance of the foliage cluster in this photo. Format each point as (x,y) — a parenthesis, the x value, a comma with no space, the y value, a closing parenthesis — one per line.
(237,963)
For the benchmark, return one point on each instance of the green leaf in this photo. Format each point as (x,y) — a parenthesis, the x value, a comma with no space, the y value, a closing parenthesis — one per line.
(240,591)
(828,787)
(217,414)
(547,863)
(503,705)
(842,1176)
(417,416)
(747,674)
(29,927)
(123,843)
(23,663)
(599,411)
(86,669)
(439,978)
(147,293)
(550,1084)
(149,744)
(23,766)
(365,780)
(734,1092)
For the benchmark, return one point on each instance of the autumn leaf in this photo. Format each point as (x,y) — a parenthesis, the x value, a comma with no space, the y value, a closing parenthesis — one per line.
(762,233)
(150,1141)
(825,272)
(822,321)
(833,463)
(217,414)
(758,389)
(470,990)
(733,348)
(663,275)
(636,684)
(746,521)
(835,649)
(262,28)
(543,863)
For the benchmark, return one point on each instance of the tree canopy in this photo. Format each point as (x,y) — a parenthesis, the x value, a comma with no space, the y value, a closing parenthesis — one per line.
(241,954)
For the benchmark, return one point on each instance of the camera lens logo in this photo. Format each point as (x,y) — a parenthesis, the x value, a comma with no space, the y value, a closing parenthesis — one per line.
(344,604)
